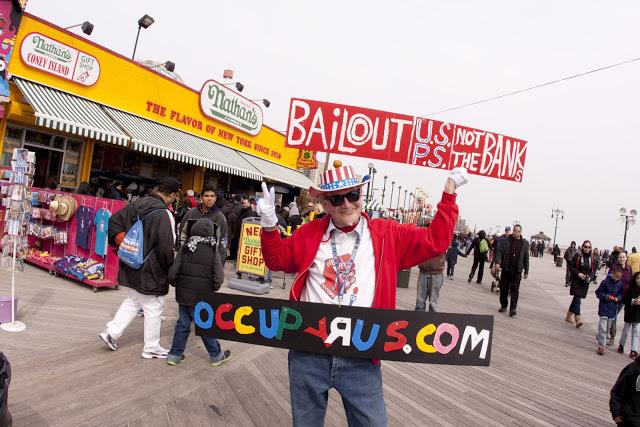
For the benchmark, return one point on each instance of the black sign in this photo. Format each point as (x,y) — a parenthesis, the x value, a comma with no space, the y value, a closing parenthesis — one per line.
(406,336)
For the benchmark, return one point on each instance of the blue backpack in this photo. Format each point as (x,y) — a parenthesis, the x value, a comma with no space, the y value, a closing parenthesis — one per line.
(131,250)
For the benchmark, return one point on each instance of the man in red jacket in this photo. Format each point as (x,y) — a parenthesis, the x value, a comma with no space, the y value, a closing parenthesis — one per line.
(368,255)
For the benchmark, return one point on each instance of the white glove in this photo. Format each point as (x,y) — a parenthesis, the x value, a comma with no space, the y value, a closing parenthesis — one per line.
(267,207)
(459,175)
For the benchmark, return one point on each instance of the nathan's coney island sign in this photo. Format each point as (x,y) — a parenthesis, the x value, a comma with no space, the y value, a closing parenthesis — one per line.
(222,104)
(363,132)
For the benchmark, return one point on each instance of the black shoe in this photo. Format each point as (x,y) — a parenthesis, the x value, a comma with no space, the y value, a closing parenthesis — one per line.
(512,313)
(502,309)
(620,349)
(470,279)
(479,283)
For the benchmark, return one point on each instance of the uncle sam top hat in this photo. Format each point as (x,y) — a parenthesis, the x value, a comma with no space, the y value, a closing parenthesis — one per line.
(339,178)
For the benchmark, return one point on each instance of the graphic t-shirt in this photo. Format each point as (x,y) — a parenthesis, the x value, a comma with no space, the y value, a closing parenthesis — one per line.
(102,226)
(359,283)
(83,229)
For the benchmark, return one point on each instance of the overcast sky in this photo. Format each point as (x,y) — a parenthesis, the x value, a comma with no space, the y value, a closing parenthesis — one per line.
(418,57)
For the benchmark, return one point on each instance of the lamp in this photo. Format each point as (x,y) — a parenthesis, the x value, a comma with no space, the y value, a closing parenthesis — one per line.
(169,66)
(266,102)
(558,214)
(239,86)
(366,199)
(384,187)
(391,201)
(144,22)
(399,191)
(629,219)
(86,27)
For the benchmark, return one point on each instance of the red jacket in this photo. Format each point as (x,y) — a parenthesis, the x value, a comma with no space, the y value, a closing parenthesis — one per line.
(395,247)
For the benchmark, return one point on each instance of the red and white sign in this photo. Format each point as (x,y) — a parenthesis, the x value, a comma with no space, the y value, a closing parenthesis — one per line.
(51,56)
(363,132)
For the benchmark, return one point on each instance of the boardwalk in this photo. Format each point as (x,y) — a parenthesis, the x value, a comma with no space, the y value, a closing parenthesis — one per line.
(543,371)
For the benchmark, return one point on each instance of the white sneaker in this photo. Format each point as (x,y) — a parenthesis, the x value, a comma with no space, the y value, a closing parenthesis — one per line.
(109,340)
(161,353)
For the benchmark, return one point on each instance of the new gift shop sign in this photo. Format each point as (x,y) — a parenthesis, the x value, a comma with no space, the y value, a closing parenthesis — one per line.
(250,250)
(225,105)
(49,55)
(407,336)
(363,132)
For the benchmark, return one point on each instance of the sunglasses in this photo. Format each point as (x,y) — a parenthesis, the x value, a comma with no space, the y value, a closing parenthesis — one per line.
(586,247)
(338,199)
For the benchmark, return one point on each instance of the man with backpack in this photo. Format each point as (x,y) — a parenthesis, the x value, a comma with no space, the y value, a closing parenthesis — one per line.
(144,231)
(480,247)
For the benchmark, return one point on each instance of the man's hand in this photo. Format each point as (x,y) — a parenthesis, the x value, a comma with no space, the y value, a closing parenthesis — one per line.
(457,177)
(526,275)
(618,419)
(582,276)
(266,208)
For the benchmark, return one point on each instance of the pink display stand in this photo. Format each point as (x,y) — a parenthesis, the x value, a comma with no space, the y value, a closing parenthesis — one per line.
(110,260)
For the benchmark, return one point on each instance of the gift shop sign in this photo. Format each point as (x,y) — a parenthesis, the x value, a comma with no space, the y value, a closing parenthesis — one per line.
(222,104)
(250,250)
(49,55)
(363,132)
(371,333)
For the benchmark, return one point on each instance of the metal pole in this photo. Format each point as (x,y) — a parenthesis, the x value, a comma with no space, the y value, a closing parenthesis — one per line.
(555,232)
(404,203)
(366,199)
(399,191)
(135,46)
(626,227)
(384,188)
(373,179)
(391,201)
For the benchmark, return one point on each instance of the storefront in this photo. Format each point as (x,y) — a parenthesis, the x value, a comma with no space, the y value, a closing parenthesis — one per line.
(92,115)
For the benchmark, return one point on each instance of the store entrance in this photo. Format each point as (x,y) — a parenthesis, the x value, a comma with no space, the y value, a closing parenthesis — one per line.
(48,164)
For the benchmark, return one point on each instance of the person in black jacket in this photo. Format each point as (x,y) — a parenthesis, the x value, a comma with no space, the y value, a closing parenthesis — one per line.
(582,269)
(631,300)
(624,403)
(148,284)
(197,270)
(512,259)
(208,209)
(479,257)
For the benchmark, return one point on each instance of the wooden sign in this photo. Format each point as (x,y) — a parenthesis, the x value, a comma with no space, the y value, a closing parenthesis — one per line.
(406,336)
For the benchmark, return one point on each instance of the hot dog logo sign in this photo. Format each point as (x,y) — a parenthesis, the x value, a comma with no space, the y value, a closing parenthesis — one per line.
(53,57)
(224,105)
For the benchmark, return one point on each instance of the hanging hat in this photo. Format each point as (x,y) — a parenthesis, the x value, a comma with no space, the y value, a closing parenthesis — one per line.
(64,207)
(339,178)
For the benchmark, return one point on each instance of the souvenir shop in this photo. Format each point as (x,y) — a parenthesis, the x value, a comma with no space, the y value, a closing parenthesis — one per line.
(106,119)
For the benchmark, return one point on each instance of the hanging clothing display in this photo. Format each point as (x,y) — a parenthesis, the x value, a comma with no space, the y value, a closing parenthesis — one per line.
(102,226)
(84,218)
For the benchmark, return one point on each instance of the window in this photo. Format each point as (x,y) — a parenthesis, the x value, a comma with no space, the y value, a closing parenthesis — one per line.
(71,166)
(12,139)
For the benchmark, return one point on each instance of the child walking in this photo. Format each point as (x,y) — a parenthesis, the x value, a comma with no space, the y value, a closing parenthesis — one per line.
(452,257)
(610,294)
(631,316)
(197,269)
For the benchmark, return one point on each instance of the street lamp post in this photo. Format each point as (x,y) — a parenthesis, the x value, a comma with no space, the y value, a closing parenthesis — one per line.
(399,191)
(384,187)
(629,219)
(391,201)
(404,203)
(366,199)
(557,214)
(373,180)
(144,22)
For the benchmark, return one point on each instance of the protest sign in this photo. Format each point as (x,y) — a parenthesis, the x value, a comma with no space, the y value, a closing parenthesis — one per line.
(363,132)
(250,251)
(407,336)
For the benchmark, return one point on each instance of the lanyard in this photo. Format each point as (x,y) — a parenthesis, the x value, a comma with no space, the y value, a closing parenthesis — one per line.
(348,265)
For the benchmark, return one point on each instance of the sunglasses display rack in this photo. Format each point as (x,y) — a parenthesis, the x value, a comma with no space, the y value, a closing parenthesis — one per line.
(17,203)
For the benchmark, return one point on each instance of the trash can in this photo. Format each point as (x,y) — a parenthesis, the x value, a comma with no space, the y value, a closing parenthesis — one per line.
(559,261)
(403,278)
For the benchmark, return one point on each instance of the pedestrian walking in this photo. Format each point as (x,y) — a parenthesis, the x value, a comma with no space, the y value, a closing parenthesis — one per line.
(480,247)
(569,255)
(556,253)
(582,269)
(624,402)
(147,285)
(196,271)
(347,258)
(452,257)
(634,260)
(631,301)
(621,262)
(429,283)
(609,293)
(511,261)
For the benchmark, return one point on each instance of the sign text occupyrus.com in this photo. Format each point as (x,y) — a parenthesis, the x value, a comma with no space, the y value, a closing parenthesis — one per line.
(363,132)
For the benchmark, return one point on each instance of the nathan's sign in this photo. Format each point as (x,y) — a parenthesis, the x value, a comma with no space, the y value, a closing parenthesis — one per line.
(49,55)
(362,132)
(225,105)
(407,336)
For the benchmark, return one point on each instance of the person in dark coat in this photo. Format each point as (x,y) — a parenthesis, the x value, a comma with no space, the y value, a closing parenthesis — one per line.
(148,284)
(569,254)
(512,260)
(452,257)
(208,209)
(479,257)
(624,402)
(555,252)
(197,270)
(631,300)
(609,294)
(582,268)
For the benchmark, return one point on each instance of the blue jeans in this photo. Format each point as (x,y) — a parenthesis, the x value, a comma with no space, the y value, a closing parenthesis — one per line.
(181,335)
(575,305)
(358,381)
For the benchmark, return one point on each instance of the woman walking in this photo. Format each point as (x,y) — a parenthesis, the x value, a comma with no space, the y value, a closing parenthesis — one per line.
(582,270)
